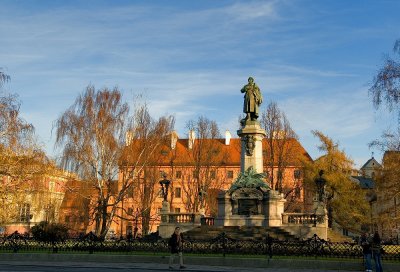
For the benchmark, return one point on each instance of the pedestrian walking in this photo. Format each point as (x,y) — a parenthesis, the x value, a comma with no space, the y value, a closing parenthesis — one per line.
(376,251)
(366,245)
(175,244)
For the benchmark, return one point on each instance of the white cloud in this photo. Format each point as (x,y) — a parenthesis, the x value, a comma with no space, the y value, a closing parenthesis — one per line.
(250,10)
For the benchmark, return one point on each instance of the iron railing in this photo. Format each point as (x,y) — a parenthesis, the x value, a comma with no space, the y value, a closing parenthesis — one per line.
(222,244)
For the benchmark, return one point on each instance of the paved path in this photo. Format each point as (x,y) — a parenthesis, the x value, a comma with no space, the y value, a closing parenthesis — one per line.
(122,267)
(109,262)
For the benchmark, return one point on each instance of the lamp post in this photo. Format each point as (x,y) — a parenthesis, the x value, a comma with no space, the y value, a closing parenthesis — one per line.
(164,186)
(165,205)
(320,183)
(395,218)
(202,195)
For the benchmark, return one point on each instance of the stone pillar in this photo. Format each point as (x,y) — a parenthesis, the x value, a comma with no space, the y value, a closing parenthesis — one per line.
(321,228)
(274,206)
(224,209)
(165,211)
(251,142)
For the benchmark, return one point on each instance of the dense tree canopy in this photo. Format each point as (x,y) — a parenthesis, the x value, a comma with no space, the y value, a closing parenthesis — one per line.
(22,160)
(346,201)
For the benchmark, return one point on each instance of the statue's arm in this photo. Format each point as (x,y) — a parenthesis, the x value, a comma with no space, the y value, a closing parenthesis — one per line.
(243,90)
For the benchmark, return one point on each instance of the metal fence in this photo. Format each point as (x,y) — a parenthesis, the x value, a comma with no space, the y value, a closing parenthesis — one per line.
(222,244)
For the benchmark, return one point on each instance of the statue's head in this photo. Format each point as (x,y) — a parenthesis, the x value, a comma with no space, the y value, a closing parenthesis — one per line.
(251,80)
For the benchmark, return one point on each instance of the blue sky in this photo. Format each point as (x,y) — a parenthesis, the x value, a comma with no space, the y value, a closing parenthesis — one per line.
(316,59)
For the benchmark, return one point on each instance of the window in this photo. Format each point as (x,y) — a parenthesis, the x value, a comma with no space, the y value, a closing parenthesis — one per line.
(297,174)
(230,174)
(297,192)
(178,192)
(129,229)
(130,193)
(178,174)
(130,211)
(195,174)
(51,186)
(25,212)
(280,175)
(212,174)
(177,210)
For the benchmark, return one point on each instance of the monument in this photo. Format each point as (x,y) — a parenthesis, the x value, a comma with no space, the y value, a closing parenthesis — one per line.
(250,201)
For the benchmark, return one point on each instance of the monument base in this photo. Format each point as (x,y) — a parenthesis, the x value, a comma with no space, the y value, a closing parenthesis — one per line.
(261,208)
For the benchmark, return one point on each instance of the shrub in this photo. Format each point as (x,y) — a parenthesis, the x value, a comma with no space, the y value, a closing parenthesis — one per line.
(49,232)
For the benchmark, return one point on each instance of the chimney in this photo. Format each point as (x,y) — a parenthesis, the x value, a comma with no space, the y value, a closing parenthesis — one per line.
(174,139)
(192,137)
(228,137)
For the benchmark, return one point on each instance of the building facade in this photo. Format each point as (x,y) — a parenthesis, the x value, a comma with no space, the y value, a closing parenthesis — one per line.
(199,169)
(40,200)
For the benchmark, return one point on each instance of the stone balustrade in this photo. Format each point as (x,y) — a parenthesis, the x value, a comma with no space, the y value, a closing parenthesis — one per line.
(302,219)
(181,218)
(207,221)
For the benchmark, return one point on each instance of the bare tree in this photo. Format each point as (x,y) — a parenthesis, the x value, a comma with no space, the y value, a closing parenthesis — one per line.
(206,157)
(139,171)
(110,150)
(390,141)
(91,134)
(3,77)
(279,150)
(386,84)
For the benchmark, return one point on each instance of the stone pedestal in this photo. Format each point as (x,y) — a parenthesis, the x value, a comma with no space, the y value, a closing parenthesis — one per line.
(321,228)
(274,208)
(268,213)
(251,142)
(165,209)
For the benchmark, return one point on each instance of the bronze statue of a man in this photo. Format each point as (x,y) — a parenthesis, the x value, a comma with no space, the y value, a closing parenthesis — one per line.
(252,100)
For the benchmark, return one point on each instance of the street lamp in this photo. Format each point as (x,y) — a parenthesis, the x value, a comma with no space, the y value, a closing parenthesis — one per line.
(164,186)
(320,183)
(202,195)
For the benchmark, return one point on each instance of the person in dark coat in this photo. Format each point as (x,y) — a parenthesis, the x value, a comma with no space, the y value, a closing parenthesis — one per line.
(376,251)
(175,244)
(366,245)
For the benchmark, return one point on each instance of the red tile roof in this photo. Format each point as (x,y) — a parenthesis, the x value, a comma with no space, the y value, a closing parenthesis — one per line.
(215,152)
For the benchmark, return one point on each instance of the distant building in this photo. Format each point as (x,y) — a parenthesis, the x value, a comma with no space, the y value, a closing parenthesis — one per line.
(41,202)
(385,203)
(193,174)
(371,168)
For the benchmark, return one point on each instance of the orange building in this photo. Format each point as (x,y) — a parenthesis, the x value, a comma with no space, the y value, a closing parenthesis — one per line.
(198,170)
